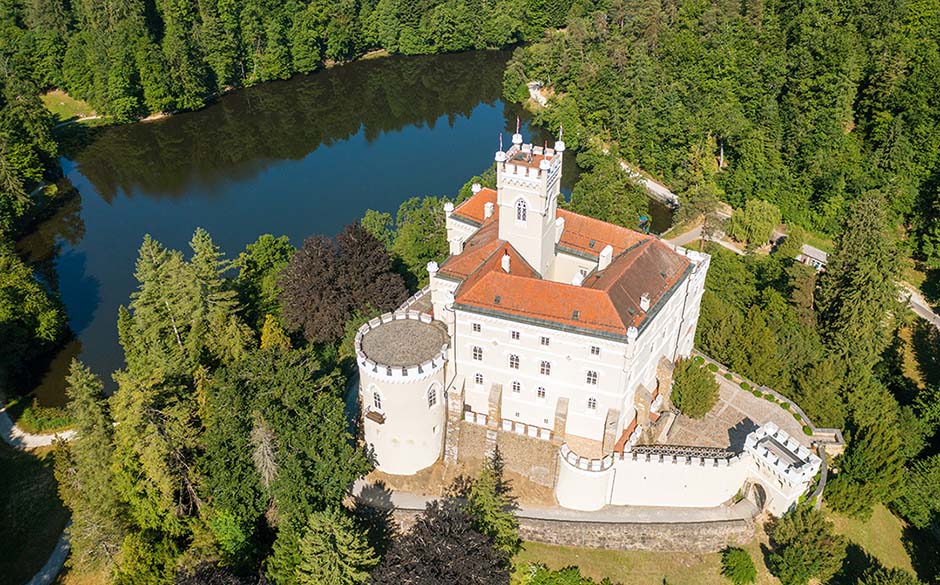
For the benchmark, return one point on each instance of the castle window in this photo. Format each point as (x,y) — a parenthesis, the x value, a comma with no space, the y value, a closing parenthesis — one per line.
(545,368)
(515,335)
(478,378)
(520,210)
(540,392)
(545,341)
(476,327)
(432,397)
(516,387)
(592,403)
(514,361)
(595,350)
(377,401)
(591,378)
(478,353)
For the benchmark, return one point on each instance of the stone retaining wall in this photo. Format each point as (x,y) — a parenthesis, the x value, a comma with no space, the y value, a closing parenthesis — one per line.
(534,459)
(695,537)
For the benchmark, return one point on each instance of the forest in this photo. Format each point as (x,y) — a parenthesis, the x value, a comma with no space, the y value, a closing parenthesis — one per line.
(132,58)
(224,455)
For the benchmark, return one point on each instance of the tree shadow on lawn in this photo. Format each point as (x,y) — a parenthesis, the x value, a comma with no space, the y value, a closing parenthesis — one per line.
(923,546)
(926,340)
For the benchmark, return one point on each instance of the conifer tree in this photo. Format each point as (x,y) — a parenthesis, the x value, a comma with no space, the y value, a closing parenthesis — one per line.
(83,472)
(805,547)
(857,293)
(491,505)
(334,552)
(272,335)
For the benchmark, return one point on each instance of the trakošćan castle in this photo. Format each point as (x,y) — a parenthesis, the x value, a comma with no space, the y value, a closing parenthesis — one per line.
(554,336)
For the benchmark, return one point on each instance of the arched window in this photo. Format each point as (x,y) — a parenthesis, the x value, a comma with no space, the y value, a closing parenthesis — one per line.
(592,403)
(591,378)
(514,361)
(540,392)
(545,368)
(478,378)
(520,210)
(377,400)
(432,397)
(516,387)
(477,353)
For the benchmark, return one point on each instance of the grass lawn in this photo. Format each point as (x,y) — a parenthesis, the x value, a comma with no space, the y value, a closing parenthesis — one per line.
(31,515)
(64,107)
(641,567)
(879,537)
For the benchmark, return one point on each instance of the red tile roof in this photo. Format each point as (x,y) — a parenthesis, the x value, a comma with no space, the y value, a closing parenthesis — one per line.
(472,209)
(608,301)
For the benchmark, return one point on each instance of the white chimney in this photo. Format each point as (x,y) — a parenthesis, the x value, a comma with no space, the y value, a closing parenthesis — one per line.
(545,164)
(559,228)
(632,333)
(645,301)
(505,262)
(432,269)
(578,279)
(448,209)
(476,188)
(607,254)
(488,210)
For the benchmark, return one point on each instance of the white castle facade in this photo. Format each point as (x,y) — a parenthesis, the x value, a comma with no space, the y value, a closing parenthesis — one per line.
(564,330)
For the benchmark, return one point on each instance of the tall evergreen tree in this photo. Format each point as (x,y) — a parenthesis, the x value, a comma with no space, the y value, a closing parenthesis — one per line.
(83,472)
(857,293)
(334,551)
(491,505)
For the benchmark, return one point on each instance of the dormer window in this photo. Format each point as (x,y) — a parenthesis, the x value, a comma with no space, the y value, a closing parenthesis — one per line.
(520,210)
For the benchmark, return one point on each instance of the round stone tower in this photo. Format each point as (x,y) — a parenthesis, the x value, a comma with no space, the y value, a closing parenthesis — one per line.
(401,358)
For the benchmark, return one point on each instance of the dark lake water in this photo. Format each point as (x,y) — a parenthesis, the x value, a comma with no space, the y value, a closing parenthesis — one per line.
(299,157)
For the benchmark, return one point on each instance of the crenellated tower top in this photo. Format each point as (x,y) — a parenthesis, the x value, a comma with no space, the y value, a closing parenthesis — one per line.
(528,183)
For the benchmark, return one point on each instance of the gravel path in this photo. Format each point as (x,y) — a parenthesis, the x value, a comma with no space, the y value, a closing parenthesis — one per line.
(17,438)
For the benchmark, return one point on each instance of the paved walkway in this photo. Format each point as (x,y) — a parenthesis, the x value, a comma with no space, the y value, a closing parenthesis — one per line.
(381,497)
(737,413)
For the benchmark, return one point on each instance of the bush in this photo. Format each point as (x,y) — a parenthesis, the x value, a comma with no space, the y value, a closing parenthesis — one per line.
(694,390)
(807,430)
(699,360)
(785,406)
(712,368)
(745,386)
(797,416)
(770,397)
(737,566)
(44,419)
(728,376)
(756,393)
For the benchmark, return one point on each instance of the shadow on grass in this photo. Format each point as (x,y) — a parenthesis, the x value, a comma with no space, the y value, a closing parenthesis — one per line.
(931,287)
(926,340)
(923,546)
(856,562)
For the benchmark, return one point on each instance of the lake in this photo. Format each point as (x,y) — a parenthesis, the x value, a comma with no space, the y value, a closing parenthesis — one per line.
(298,157)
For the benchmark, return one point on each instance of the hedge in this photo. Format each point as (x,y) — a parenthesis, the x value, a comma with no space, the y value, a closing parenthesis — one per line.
(745,386)
(728,376)
(807,430)
(712,368)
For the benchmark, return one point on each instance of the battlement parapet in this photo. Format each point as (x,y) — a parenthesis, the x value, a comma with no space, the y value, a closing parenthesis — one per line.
(422,357)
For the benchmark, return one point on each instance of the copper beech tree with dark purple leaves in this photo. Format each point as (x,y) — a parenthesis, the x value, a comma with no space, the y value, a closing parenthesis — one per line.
(328,280)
